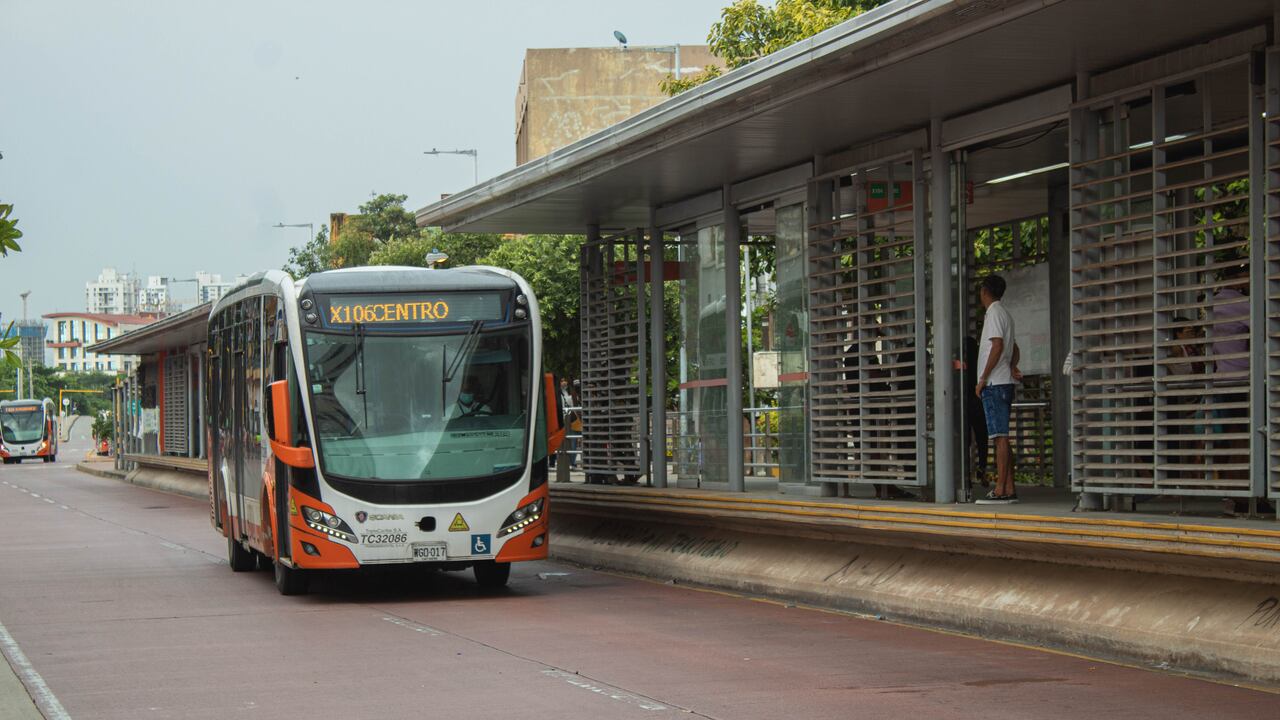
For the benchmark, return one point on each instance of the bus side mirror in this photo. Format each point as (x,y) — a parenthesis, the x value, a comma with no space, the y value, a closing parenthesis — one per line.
(555,414)
(279,434)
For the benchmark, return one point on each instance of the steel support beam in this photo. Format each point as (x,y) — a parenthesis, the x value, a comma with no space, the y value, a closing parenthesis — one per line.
(733,342)
(1060,330)
(658,357)
(1258,443)
(641,360)
(944,399)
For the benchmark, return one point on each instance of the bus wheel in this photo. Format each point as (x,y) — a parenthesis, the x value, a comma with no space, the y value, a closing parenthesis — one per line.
(238,557)
(290,581)
(492,575)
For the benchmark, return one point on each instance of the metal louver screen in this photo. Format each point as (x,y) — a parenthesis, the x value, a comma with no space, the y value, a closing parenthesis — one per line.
(865,277)
(175,405)
(610,393)
(1160,199)
(1272,273)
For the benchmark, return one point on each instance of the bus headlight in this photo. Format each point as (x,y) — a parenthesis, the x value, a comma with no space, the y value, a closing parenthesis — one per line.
(331,525)
(522,518)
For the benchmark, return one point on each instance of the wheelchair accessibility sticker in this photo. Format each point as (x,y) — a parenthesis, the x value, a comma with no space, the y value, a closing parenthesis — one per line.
(480,545)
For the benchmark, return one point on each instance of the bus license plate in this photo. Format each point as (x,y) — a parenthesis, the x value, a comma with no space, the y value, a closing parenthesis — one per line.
(431,551)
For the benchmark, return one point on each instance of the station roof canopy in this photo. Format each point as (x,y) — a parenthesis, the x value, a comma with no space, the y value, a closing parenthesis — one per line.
(881,74)
(181,330)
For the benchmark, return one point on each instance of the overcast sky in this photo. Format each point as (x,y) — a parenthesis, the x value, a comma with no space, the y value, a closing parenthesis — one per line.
(168,137)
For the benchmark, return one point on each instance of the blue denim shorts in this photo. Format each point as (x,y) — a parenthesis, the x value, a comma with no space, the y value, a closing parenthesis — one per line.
(997,402)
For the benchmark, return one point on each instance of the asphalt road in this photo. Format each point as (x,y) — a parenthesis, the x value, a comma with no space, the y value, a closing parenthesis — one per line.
(121,601)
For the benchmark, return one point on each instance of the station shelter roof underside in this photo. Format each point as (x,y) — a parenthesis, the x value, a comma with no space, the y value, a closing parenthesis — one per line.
(880,75)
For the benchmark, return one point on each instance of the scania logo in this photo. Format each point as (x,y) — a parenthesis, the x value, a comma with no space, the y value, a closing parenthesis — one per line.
(361,516)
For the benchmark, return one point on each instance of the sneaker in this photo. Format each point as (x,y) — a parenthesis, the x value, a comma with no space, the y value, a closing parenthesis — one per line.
(1011,498)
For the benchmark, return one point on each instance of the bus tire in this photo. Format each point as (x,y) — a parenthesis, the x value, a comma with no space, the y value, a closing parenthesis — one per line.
(238,557)
(290,581)
(492,575)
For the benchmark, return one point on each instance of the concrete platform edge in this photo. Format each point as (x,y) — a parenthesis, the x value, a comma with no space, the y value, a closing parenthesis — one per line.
(1207,626)
(178,482)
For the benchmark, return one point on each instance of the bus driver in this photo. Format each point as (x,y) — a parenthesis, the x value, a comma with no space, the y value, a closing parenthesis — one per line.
(468,404)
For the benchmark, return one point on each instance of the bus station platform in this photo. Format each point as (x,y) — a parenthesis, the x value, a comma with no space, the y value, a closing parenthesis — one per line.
(1200,595)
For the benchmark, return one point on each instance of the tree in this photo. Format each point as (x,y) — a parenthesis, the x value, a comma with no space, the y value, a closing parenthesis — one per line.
(550,265)
(748,31)
(384,218)
(9,234)
(462,248)
(48,381)
(312,257)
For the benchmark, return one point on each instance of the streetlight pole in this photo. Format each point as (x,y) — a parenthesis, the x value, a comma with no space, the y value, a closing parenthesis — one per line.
(311,228)
(673,49)
(31,383)
(475,160)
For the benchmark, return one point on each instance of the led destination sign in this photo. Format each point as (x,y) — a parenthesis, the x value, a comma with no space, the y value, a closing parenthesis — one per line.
(401,310)
(19,408)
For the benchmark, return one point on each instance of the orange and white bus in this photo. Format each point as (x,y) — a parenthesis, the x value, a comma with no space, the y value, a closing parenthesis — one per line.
(28,429)
(380,415)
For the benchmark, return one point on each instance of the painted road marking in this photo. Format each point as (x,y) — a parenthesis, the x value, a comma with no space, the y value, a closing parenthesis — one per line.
(39,691)
(608,691)
(416,627)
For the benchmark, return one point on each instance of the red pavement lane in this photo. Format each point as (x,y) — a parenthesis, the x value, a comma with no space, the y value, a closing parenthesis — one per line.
(122,601)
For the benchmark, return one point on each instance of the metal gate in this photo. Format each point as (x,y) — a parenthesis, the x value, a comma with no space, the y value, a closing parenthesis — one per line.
(1160,203)
(867,332)
(612,391)
(176,391)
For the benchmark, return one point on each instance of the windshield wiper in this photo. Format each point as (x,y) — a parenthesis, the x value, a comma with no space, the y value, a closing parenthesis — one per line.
(464,350)
(361,387)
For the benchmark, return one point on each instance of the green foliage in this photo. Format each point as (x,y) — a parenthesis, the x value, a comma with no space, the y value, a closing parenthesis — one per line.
(103,427)
(9,232)
(748,31)
(312,257)
(354,244)
(8,348)
(462,248)
(550,264)
(48,381)
(385,218)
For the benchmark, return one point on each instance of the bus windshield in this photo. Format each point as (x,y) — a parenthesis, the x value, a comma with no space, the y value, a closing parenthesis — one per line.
(420,407)
(21,423)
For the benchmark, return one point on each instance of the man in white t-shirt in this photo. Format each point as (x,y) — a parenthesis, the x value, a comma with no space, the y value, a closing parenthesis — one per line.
(998,375)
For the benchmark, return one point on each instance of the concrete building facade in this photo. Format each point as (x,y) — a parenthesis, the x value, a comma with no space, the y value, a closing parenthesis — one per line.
(116,293)
(72,334)
(566,94)
(113,293)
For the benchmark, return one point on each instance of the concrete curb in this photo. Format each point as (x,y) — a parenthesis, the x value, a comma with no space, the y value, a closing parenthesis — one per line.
(187,484)
(109,472)
(1212,626)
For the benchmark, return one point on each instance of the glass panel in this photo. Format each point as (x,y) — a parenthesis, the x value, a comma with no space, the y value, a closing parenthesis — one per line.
(790,341)
(22,423)
(385,411)
(703,393)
